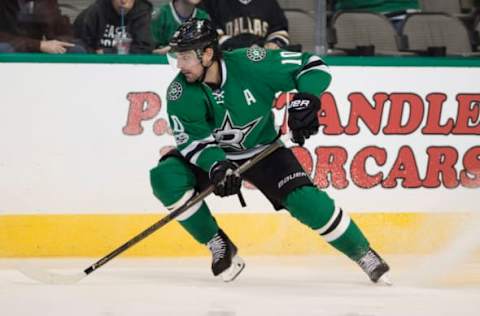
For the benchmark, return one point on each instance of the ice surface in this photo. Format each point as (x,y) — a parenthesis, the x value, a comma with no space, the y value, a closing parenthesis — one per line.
(316,285)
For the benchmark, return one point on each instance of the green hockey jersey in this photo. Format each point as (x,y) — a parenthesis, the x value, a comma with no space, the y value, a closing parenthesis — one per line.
(236,120)
(380,6)
(166,21)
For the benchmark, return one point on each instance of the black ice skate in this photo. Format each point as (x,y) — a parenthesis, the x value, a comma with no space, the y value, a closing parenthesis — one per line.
(375,267)
(225,261)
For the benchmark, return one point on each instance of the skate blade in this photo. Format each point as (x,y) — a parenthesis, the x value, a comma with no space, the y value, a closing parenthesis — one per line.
(385,280)
(234,270)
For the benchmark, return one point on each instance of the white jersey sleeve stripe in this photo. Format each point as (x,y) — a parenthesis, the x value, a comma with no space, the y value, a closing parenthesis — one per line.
(197,154)
(195,146)
(314,63)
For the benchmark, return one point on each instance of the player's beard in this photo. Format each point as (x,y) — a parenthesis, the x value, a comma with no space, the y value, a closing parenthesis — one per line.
(192,77)
(189,76)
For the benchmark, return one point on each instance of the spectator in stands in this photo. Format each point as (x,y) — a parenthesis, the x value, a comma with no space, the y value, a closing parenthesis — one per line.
(35,26)
(104,23)
(243,23)
(169,17)
(395,10)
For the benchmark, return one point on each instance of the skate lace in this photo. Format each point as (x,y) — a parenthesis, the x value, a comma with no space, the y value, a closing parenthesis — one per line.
(369,262)
(218,248)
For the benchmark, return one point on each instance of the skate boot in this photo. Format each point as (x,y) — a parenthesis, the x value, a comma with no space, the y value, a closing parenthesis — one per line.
(225,261)
(375,267)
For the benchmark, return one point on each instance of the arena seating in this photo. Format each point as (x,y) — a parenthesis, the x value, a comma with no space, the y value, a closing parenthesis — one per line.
(364,33)
(304,5)
(432,31)
(301,26)
(445,6)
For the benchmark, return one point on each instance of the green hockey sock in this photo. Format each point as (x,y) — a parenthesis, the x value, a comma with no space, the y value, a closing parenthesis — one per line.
(317,210)
(173,184)
(201,224)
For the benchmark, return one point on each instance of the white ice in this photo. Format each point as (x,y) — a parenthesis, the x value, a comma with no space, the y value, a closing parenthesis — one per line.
(313,285)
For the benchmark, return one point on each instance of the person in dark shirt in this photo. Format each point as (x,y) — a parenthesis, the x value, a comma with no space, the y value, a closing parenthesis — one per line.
(102,24)
(35,26)
(243,23)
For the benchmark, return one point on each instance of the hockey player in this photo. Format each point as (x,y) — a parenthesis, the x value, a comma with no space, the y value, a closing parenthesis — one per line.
(219,108)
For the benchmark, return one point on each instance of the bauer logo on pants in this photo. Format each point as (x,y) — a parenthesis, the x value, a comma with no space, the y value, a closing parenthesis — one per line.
(291,177)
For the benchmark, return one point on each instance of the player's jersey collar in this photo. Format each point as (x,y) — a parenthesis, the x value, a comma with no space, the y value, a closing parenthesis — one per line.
(224,72)
(223,77)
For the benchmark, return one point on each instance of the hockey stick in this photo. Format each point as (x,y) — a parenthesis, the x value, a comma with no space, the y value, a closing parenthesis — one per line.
(48,277)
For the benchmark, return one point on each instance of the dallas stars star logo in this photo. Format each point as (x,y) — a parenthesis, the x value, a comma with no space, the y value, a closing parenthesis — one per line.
(229,135)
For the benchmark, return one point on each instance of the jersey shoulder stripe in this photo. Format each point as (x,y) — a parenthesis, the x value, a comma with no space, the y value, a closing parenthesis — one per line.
(313,63)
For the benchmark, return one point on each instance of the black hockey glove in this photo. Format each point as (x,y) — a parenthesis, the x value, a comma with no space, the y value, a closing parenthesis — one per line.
(302,117)
(224,179)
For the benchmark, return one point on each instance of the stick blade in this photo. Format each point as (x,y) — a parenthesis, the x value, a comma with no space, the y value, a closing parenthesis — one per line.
(48,277)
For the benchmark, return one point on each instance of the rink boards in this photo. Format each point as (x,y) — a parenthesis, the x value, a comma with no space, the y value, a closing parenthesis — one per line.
(255,234)
(398,150)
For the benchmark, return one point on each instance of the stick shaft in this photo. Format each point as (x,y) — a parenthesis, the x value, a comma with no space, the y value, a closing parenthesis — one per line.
(172,215)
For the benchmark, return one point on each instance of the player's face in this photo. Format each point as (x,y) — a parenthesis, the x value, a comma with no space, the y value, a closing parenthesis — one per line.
(189,65)
(126,5)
